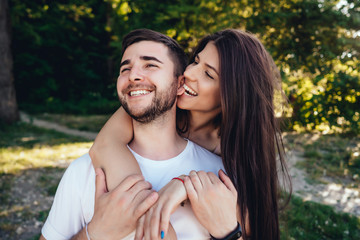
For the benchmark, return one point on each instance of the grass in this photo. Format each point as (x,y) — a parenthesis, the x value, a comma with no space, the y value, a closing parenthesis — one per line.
(329,156)
(91,123)
(27,151)
(314,221)
(23,146)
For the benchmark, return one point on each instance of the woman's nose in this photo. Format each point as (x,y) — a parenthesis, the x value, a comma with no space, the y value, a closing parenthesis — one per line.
(189,73)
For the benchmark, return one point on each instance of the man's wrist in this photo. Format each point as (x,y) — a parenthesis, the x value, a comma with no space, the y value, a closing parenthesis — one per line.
(87,233)
(230,233)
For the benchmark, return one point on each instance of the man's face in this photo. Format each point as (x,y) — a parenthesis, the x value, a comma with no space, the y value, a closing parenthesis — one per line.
(146,86)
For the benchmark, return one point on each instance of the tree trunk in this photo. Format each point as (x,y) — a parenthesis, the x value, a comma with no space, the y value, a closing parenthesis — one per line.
(8,106)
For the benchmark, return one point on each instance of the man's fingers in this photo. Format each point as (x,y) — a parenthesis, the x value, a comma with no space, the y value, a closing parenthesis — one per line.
(143,201)
(128,182)
(138,187)
(139,233)
(227,181)
(100,183)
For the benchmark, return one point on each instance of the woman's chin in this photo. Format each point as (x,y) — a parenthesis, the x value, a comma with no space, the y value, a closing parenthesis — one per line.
(180,103)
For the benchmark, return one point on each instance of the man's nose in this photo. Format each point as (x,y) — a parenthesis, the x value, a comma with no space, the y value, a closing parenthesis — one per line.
(135,75)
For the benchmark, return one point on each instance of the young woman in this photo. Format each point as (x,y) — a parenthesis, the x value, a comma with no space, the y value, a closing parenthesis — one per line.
(227,107)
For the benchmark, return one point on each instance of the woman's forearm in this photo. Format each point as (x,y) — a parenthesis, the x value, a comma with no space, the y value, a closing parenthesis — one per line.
(110,151)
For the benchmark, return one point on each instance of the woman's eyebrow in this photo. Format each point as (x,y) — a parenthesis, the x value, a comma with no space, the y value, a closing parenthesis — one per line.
(208,65)
(150,58)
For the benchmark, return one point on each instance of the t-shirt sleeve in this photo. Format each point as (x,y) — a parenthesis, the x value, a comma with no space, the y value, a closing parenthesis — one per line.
(65,217)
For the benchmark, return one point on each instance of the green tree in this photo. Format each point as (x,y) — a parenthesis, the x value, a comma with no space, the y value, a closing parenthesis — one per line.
(61,50)
(8,105)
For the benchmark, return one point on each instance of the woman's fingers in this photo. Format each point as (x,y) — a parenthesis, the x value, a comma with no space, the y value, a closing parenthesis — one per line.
(147,225)
(154,224)
(139,233)
(164,222)
(190,190)
(227,181)
(213,178)
(204,179)
(195,180)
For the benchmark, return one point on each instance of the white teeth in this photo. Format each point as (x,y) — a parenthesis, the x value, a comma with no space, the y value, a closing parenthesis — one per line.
(138,93)
(189,91)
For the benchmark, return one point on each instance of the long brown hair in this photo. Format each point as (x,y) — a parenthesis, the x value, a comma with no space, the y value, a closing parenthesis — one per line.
(251,143)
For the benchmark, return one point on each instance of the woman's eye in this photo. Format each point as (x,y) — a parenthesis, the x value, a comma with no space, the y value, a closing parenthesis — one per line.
(207,74)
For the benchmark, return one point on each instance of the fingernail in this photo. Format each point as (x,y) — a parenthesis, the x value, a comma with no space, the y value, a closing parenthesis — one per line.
(162,234)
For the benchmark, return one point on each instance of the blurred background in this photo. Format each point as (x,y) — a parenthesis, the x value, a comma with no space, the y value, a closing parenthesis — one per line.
(58,68)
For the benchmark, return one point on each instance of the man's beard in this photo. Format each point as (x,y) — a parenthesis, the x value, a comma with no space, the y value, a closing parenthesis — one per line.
(162,102)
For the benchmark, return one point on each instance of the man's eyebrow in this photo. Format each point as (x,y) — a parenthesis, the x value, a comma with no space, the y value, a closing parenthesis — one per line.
(209,66)
(127,61)
(149,58)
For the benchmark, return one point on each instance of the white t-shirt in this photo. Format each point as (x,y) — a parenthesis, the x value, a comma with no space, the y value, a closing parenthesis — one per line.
(73,205)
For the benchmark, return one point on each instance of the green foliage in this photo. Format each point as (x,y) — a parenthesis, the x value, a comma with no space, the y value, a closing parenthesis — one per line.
(60,50)
(327,101)
(69,50)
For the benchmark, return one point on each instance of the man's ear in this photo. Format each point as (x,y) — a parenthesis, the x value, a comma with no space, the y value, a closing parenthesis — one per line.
(180,89)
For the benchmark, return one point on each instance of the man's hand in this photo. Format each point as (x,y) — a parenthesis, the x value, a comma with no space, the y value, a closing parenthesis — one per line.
(116,212)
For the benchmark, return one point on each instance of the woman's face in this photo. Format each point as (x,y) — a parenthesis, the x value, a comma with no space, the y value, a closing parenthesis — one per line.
(202,82)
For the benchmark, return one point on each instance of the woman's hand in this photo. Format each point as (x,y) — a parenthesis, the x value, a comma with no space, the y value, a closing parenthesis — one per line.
(139,234)
(157,218)
(213,201)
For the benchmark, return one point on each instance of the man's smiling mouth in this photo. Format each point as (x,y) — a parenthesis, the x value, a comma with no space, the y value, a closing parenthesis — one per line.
(138,93)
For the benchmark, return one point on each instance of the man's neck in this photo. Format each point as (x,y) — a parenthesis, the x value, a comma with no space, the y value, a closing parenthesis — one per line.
(158,140)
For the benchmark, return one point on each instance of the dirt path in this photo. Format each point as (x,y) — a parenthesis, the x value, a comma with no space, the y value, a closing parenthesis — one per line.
(343,199)
(54,126)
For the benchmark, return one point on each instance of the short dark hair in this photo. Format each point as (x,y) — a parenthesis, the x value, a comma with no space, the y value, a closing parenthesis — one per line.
(176,53)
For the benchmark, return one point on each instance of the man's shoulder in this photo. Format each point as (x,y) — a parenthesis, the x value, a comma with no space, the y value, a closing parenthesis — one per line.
(203,151)
(199,158)
(83,161)
(81,169)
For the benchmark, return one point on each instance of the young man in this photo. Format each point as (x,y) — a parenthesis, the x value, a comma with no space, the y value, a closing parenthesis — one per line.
(147,86)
